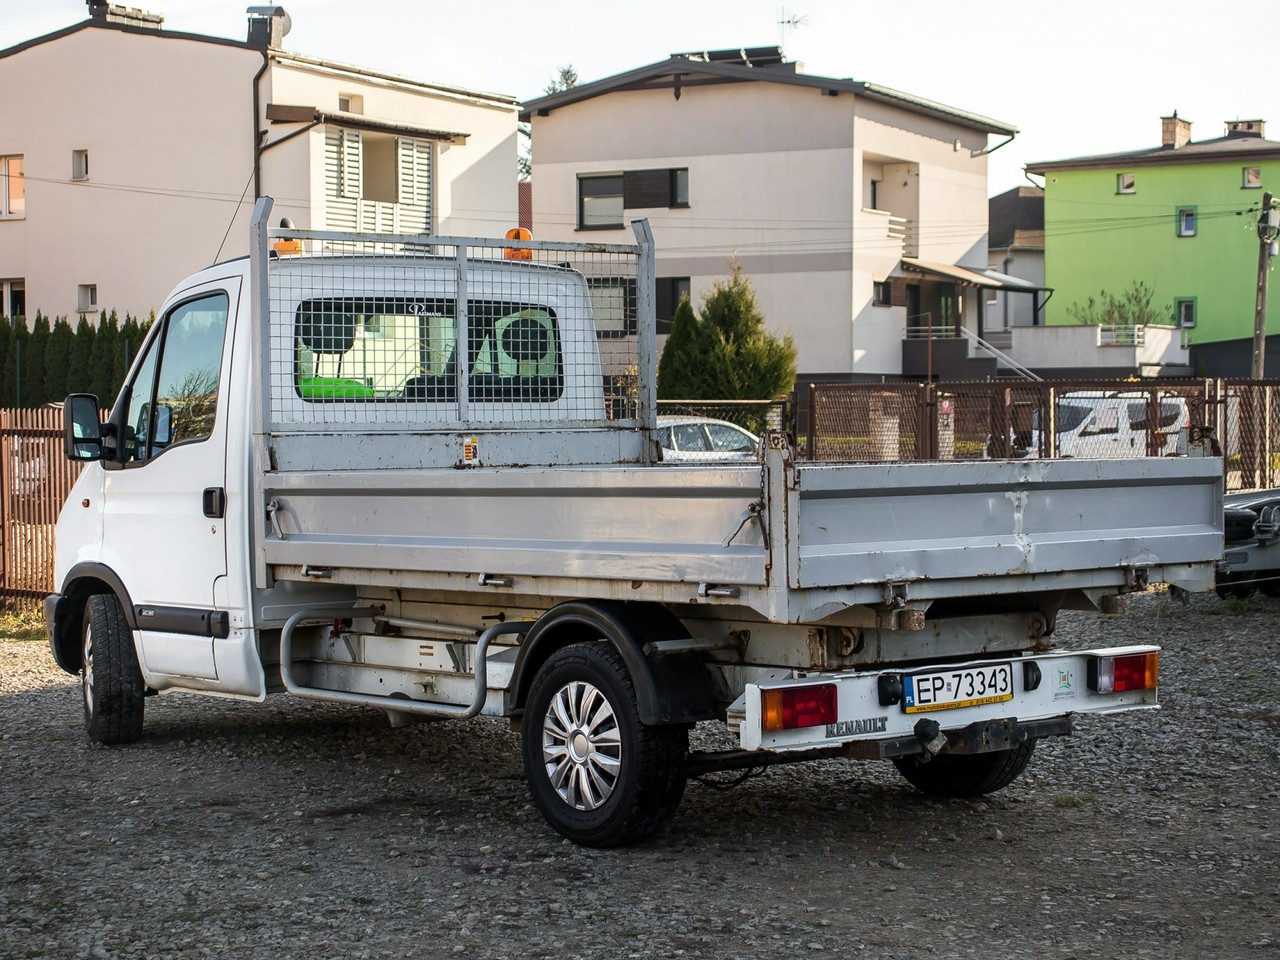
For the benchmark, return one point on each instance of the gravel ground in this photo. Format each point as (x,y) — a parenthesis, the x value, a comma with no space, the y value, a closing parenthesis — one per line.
(296,829)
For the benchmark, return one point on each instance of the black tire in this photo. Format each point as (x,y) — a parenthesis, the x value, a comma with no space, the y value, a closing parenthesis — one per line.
(599,776)
(114,694)
(958,776)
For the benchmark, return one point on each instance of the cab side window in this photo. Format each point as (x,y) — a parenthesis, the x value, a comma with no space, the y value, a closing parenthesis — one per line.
(174,397)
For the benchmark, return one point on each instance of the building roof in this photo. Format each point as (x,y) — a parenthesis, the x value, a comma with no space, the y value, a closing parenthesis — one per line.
(681,71)
(1233,147)
(1016,219)
(152,29)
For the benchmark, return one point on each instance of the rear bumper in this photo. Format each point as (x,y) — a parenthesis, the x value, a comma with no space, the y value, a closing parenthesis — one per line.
(1047,690)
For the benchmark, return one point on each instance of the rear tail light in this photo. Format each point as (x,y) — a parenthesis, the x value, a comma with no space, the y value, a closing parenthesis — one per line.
(787,708)
(1137,671)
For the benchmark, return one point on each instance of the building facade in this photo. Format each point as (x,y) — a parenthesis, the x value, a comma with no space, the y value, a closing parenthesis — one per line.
(1178,220)
(858,212)
(131,156)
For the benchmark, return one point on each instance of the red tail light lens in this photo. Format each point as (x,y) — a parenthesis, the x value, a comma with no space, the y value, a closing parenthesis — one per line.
(1139,671)
(790,707)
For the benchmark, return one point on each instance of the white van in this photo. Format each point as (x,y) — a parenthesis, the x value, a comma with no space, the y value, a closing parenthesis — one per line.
(1092,424)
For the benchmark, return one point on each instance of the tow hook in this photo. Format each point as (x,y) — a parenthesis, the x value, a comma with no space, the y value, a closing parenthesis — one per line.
(929,733)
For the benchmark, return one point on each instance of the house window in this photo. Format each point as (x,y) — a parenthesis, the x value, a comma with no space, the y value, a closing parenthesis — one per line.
(13,298)
(79,164)
(87,297)
(1186,221)
(613,305)
(880,293)
(350,103)
(680,187)
(1125,183)
(13,188)
(379,168)
(600,202)
(669,292)
(1251,178)
(664,187)
(1184,309)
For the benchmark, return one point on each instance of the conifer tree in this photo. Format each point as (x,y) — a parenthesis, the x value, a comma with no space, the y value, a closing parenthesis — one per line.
(57,359)
(102,360)
(35,388)
(14,360)
(6,333)
(726,354)
(80,365)
(682,368)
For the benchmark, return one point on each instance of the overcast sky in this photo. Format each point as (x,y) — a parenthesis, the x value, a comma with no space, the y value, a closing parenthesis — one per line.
(1077,78)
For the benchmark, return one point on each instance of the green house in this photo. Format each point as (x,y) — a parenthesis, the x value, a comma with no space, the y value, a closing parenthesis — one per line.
(1180,220)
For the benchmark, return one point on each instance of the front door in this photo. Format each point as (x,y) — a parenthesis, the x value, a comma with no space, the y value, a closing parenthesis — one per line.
(164,523)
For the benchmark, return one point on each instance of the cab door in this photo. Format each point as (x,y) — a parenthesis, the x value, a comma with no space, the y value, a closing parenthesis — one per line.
(164,498)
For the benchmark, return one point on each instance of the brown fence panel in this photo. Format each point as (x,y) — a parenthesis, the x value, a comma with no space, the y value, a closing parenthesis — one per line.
(35,479)
(1248,428)
(856,421)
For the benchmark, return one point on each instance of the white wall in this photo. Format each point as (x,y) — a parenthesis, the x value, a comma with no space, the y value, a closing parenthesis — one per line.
(169,124)
(167,164)
(475,181)
(776,178)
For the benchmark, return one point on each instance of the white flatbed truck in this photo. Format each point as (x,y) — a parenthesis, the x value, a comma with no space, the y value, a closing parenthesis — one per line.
(420,474)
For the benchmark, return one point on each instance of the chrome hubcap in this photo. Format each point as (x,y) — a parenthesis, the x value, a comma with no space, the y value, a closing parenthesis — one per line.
(87,669)
(581,746)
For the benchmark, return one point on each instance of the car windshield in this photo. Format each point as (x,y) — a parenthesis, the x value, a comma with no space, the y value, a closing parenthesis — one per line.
(1070,416)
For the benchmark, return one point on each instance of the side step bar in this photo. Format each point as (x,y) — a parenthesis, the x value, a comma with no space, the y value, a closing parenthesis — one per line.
(452,711)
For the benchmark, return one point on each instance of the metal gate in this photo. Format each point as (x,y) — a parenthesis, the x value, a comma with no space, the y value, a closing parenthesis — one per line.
(35,479)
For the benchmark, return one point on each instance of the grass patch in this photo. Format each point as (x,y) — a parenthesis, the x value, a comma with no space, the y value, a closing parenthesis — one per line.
(1234,606)
(22,623)
(1069,800)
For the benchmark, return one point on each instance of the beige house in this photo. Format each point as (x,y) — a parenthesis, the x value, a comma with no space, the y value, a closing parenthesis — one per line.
(131,156)
(859,212)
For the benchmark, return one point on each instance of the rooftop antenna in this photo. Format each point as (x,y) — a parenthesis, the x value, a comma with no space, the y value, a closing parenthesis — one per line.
(788,21)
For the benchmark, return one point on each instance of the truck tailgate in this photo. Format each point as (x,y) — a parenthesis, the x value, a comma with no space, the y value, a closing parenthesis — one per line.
(860,524)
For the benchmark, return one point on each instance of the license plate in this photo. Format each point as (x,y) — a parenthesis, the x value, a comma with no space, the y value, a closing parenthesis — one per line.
(961,687)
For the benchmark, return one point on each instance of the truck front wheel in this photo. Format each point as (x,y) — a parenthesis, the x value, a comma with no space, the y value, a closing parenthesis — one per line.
(966,775)
(114,694)
(599,776)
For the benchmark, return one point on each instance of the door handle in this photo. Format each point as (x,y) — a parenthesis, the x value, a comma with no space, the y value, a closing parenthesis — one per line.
(214,502)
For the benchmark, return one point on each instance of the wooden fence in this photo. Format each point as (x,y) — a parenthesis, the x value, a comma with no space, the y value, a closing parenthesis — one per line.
(35,479)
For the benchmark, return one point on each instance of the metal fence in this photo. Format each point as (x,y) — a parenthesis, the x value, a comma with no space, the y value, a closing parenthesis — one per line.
(35,479)
(1079,418)
(837,422)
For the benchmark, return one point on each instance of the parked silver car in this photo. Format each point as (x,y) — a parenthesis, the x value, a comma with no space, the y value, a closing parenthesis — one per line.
(704,440)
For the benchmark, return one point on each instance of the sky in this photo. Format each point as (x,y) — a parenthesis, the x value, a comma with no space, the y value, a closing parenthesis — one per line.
(1076,77)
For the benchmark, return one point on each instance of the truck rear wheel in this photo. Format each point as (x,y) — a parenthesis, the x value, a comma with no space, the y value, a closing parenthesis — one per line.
(114,693)
(599,776)
(966,775)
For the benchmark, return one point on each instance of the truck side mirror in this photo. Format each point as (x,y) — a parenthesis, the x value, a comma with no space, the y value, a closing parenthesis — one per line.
(81,428)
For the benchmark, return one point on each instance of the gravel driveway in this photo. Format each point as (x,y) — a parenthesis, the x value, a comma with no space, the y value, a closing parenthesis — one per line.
(293,829)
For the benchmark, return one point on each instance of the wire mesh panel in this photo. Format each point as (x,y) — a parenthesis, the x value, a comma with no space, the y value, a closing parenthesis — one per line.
(1249,431)
(995,420)
(388,333)
(859,422)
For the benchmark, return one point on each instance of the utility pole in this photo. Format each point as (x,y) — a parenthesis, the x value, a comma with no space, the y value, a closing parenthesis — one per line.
(1268,230)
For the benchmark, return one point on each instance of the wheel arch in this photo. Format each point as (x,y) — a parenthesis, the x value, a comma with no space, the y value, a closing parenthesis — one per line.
(82,581)
(669,689)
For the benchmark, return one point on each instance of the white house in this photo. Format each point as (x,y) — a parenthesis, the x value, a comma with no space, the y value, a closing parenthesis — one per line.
(858,212)
(132,155)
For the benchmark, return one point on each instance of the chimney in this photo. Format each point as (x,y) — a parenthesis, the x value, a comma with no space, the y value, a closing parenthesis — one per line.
(1246,128)
(105,12)
(268,26)
(1174,131)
